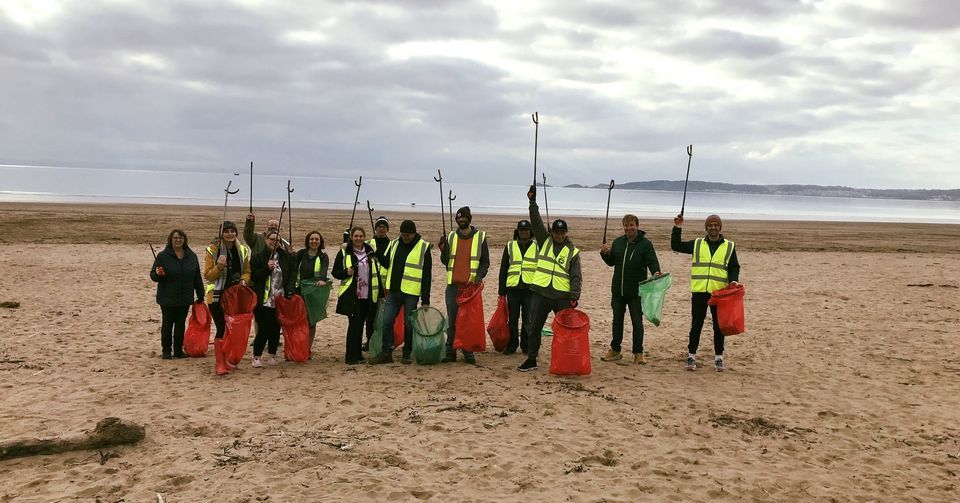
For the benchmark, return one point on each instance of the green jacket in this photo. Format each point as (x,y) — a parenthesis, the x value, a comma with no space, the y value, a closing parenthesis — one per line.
(630,263)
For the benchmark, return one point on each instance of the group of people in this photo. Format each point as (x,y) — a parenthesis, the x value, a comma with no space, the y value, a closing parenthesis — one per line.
(539,273)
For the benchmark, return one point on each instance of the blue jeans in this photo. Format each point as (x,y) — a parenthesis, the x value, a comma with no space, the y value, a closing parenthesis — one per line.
(450,297)
(395,301)
(620,305)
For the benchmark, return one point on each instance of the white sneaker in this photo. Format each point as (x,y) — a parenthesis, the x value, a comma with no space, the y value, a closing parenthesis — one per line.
(256,363)
(272,360)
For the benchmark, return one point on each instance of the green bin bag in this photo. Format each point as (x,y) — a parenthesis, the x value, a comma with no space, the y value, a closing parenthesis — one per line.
(315,297)
(429,326)
(652,292)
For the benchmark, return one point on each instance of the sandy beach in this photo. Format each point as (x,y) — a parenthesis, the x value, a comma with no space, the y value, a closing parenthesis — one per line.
(845,387)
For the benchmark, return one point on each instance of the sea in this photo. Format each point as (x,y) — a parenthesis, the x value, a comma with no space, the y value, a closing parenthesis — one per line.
(56,184)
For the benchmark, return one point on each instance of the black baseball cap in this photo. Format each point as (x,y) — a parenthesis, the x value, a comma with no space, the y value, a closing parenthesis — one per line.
(559,225)
(524,224)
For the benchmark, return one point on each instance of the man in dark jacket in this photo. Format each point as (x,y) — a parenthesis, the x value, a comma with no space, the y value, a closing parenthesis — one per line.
(715,266)
(467,257)
(517,268)
(379,242)
(631,256)
(409,264)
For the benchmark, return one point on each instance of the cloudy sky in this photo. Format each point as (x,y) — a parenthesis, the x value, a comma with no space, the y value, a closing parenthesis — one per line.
(861,92)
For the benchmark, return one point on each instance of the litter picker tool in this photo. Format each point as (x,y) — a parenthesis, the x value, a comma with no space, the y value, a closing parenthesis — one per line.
(374,261)
(536,136)
(546,206)
(283,209)
(443,220)
(153,251)
(226,195)
(251,186)
(450,198)
(689,158)
(607,216)
(356,200)
(290,216)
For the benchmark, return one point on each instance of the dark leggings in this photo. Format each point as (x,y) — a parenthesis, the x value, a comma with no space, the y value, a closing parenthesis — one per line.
(698,312)
(355,323)
(216,312)
(268,331)
(172,325)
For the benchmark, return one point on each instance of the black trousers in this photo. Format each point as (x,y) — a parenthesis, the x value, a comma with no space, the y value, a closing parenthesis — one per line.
(541,308)
(355,322)
(519,305)
(698,313)
(268,331)
(371,320)
(173,322)
(620,305)
(216,312)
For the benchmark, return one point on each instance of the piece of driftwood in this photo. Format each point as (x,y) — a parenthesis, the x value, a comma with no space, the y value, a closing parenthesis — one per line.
(110,431)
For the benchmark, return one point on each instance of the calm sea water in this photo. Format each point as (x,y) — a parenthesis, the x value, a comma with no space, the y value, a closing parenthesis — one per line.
(57,184)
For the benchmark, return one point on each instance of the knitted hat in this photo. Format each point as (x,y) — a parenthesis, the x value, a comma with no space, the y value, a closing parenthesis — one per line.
(465,213)
(229,225)
(382,221)
(713,218)
(408,227)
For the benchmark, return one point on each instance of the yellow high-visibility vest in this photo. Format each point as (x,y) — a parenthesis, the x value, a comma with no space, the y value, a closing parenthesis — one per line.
(709,271)
(412,268)
(522,265)
(316,269)
(346,283)
(218,285)
(554,270)
(453,239)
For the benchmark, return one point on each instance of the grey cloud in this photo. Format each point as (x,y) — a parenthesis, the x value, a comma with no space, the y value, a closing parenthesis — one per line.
(715,44)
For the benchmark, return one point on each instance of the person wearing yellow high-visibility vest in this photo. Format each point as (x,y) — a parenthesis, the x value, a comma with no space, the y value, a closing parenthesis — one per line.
(556,284)
(715,266)
(465,253)
(312,264)
(223,268)
(356,267)
(517,267)
(272,274)
(379,243)
(408,280)
(631,256)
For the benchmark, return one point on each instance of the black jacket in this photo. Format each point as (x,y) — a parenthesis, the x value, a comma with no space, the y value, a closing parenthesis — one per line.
(260,271)
(305,265)
(182,278)
(347,303)
(630,263)
(678,245)
(400,258)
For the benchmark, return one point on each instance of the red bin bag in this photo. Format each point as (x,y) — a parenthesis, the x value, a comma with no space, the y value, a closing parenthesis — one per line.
(292,315)
(498,327)
(398,328)
(196,340)
(729,302)
(237,302)
(570,349)
(470,336)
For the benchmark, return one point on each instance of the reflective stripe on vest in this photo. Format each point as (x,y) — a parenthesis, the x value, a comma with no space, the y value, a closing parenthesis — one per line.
(521,265)
(547,271)
(380,270)
(412,268)
(708,272)
(454,239)
(316,269)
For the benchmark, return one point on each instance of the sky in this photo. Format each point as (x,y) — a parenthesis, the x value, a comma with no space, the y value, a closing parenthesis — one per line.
(857,93)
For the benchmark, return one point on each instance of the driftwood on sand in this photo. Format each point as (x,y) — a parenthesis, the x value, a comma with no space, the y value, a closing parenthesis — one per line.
(110,431)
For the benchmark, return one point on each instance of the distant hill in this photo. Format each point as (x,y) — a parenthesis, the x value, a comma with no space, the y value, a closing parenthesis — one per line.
(788,190)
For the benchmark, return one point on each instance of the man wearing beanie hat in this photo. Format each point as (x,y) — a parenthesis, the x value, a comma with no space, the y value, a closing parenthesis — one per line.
(464,251)
(557,280)
(517,268)
(715,266)
(379,243)
(631,256)
(409,263)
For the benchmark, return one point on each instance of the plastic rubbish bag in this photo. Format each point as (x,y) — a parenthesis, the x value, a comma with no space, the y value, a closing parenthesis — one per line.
(470,336)
(498,327)
(570,349)
(729,302)
(428,325)
(196,339)
(315,298)
(652,292)
(376,340)
(292,315)
(237,302)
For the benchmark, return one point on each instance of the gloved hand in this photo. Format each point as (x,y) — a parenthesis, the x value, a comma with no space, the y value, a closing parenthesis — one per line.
(574,303)
(160,271)
(442,244)
(532,193)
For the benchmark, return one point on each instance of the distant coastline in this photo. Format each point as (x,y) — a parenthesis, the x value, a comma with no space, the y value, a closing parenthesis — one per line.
(788,190)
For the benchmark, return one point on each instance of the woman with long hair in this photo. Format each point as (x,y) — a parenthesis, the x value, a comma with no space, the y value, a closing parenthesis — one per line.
(312,265)
(176,270)
(272,276)
(355,268)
